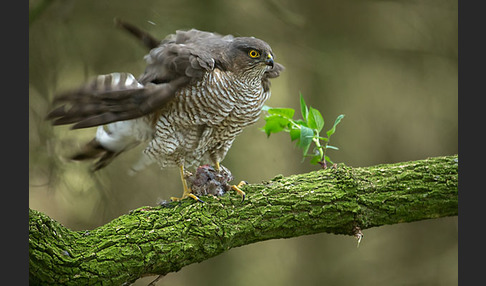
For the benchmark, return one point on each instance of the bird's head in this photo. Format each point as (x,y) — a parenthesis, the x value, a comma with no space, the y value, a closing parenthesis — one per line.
(250,54)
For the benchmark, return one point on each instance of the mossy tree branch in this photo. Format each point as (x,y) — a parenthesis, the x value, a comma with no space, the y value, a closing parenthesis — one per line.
(163,239)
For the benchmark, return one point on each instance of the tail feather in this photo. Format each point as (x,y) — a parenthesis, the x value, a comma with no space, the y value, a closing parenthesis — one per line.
(148,40)
(94,150)
(112,140)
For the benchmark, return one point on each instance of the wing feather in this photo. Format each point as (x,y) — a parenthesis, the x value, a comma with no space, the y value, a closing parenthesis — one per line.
(147,40)
(100,101)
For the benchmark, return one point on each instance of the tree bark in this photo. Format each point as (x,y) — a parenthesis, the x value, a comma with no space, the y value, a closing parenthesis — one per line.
(163,239)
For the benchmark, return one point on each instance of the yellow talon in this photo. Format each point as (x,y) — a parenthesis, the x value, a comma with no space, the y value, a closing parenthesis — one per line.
(185,196)
(235,188)
(238,190)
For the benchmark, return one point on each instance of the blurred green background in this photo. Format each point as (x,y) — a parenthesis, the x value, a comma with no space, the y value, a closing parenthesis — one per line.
(390,66)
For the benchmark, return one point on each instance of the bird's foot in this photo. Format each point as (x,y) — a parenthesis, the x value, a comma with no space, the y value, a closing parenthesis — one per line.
(187,191)
(237,189)
(186,195)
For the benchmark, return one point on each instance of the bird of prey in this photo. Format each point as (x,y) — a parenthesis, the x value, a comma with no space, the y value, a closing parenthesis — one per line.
(198,92)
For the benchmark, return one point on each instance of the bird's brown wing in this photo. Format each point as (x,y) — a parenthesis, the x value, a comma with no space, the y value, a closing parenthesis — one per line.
(109,98)
(185,53)
(179,60)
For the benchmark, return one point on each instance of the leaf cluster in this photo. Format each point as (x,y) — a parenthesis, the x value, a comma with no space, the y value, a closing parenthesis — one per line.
(304,131)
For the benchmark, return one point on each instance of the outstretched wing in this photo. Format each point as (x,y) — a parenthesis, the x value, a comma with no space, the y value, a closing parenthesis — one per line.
(109,98)
(179,60)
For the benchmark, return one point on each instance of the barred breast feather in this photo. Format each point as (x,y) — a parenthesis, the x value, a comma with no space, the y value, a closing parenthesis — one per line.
(201,123)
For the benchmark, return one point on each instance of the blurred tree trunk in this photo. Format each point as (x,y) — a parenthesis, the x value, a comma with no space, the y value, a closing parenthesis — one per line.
(163,239)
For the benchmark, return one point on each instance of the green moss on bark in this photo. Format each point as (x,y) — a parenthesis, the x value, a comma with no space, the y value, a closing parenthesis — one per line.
(160,240)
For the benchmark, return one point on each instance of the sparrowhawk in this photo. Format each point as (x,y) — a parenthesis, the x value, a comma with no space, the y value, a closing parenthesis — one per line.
(199,90)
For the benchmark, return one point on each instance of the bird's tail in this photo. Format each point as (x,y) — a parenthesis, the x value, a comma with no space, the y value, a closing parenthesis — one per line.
(94,150)
(147,40)
(113,139)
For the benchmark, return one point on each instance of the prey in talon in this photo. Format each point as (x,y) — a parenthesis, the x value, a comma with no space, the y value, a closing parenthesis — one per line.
(198,92)
(207,180)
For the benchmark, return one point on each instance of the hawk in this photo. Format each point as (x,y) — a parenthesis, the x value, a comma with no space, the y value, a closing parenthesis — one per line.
(198,92)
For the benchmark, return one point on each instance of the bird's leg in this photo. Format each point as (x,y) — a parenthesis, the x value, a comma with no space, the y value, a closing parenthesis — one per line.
(187,192)
(235,188)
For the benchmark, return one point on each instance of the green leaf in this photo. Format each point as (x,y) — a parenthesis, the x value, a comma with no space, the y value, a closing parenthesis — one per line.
(275,124)
(301,122)
(303,108)
(285,112)
(304,131)
(294,134)
(315,119)
(328,159)
(315,160)
(333,129)
(306,135)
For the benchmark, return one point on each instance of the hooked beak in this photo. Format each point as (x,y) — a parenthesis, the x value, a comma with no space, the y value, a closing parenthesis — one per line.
(269,60)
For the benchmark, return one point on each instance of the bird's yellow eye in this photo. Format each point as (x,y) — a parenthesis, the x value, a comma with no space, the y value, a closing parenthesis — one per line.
(253,54)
